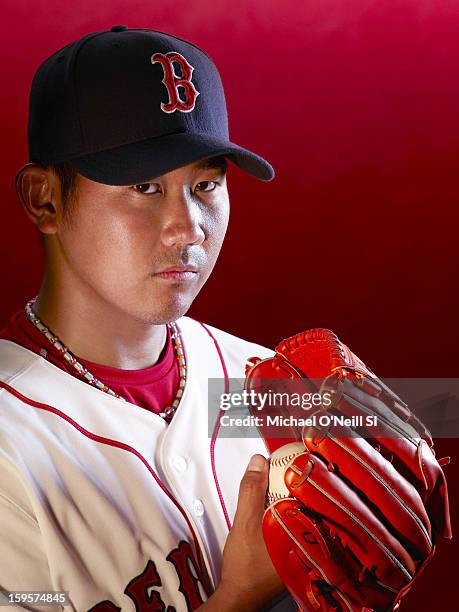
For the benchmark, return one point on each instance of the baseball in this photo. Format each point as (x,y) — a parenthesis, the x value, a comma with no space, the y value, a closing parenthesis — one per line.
(279,462)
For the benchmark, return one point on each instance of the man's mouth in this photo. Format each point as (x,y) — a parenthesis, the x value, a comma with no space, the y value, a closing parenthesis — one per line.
(178,273)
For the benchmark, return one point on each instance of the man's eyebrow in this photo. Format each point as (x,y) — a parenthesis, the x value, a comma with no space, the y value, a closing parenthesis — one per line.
(212,163)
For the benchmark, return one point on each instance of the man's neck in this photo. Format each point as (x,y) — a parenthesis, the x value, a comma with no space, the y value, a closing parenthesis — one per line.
(95,331)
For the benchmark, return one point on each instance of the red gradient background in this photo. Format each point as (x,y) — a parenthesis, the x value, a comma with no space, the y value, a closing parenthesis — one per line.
(355,103)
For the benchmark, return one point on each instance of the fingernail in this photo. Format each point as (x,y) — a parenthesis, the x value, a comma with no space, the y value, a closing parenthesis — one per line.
(257,463)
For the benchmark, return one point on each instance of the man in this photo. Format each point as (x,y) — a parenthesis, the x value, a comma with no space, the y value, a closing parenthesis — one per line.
(110,488)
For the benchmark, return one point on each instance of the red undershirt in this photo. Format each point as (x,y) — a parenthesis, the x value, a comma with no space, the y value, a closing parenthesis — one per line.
(152,388)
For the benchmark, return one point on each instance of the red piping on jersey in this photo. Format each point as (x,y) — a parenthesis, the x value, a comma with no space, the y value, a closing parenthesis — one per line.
(217,427)
(116,444)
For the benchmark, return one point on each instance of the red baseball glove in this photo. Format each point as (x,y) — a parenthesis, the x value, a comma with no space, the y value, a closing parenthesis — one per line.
(360,514)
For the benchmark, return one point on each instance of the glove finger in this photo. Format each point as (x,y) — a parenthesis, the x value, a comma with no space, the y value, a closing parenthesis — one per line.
(318,572)
(395,437)
(379,484)
(355,524)
(362,397)
(412,456)
(399,407)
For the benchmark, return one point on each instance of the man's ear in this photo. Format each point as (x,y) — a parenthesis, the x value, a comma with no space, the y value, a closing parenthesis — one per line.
(38,190)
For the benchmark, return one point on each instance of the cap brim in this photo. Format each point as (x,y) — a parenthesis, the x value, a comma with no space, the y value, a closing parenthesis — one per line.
(140,161)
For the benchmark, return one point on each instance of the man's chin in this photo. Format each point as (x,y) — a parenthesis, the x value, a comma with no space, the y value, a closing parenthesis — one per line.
(167,313)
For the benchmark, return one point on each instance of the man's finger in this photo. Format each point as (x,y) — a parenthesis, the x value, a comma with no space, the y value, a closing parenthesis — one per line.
(252,490)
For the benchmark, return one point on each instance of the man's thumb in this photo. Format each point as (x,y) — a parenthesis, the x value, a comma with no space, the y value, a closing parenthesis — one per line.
(252,491)
(257,463)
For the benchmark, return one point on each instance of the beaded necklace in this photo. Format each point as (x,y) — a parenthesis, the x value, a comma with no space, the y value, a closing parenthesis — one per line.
(84,373)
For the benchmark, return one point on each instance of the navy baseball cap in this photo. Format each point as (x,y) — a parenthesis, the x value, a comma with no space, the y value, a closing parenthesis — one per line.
(126,105)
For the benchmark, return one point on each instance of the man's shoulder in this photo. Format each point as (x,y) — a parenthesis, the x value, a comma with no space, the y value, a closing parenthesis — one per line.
(15,359)
(243,344)
(233,349)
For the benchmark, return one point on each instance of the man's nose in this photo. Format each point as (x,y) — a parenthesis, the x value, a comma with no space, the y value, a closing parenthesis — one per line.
(182,221)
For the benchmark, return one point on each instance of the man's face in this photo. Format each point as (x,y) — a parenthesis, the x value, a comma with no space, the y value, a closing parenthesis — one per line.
(146,249)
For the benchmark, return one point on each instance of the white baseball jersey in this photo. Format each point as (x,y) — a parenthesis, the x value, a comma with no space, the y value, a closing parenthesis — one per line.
(103,499)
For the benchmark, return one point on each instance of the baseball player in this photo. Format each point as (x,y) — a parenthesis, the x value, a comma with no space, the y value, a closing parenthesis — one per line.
(112,494)
(110,488)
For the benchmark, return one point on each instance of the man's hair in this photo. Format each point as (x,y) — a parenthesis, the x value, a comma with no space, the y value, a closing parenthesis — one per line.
(67,176)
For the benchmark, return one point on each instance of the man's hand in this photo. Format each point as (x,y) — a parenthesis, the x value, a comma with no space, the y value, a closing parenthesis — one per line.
(248,579)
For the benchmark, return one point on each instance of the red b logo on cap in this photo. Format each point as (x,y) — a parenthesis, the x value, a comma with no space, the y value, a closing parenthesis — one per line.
(173,82)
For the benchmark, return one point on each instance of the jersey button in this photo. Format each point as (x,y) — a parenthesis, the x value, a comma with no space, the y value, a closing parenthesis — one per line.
(198,507)
(179,463)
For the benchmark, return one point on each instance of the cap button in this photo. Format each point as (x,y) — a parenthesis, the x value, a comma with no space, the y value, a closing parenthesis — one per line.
(119,28)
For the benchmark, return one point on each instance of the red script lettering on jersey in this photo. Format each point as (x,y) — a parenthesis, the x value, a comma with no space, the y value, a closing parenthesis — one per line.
(137,589)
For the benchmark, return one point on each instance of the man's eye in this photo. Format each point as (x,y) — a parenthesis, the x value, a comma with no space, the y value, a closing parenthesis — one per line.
(147,188)
(206,186)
